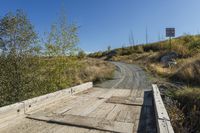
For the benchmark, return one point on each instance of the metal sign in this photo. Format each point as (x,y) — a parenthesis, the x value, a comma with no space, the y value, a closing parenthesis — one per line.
(170,32)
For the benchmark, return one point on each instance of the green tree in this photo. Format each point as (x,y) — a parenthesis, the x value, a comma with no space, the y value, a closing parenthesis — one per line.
(62,44)
(17,37)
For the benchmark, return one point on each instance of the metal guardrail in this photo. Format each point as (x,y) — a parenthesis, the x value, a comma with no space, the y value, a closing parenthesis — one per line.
(162,118)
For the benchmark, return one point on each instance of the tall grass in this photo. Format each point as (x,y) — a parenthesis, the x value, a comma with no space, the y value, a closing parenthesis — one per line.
(188,71)
(189,99)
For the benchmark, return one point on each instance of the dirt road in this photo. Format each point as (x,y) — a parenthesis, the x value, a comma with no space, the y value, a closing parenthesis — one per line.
(123,104)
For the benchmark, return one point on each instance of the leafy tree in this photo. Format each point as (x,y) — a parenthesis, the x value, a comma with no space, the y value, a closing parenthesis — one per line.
(17,37)
(16,33)
(62,44)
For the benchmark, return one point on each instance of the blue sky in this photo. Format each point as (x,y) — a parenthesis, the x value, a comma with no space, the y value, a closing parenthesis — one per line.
(109,22)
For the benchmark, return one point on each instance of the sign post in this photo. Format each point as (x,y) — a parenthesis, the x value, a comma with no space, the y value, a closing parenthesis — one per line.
(170,32)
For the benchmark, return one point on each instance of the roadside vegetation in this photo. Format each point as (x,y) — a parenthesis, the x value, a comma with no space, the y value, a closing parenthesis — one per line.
(31,66)
(179,82)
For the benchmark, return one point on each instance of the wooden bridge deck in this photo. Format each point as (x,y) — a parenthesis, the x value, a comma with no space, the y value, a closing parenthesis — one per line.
(94,110)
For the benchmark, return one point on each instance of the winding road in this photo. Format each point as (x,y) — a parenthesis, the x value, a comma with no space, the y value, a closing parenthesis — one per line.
(123,104)
(135,79)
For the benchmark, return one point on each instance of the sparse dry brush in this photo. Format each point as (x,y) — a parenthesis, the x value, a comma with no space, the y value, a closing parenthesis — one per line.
(189,99)
(97,70)
(189,71)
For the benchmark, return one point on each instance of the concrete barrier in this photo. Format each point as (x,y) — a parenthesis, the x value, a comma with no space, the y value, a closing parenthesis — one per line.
(162,118)
(9,114)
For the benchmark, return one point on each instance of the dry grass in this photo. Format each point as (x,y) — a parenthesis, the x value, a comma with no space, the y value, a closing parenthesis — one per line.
(188,71)
(189,99)
(96,70)
(176,117)
(159,69)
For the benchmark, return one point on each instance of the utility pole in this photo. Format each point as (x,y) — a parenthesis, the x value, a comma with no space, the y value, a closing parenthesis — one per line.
(131,39)
(159,36)
(146,35)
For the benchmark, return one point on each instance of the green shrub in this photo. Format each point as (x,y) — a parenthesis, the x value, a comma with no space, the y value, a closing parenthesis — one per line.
(194,47)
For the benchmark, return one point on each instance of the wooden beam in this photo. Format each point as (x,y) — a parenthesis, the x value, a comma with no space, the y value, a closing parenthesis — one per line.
(87,122)
(124,100)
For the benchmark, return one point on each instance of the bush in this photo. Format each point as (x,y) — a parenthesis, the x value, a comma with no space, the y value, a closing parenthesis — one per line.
(180,49)
(189,99)
(81,54)
(194,47)
(189,73)
(139,49)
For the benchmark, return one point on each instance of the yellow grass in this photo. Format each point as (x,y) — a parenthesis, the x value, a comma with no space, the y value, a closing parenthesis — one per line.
(96,70)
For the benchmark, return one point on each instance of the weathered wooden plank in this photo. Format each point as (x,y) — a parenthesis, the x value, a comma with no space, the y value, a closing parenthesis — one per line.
(85,111)
(70,104)
(97,131)
(128,113)
(87,122)
(133,93)
(85,108)
(51,107)
(89,103)
(71,129)
(107,94)
(82,87)
(93,92)
(136,126)
(122,115)
(102,112)
(130,116)
(10,113)
(41,101)
(125,100)
(11,121)
(92,107)
(162,118)
(114,113)
(82,105)
(122,92)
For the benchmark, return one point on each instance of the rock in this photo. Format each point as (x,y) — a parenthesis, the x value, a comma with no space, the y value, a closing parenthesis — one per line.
(110,54)
(169,58)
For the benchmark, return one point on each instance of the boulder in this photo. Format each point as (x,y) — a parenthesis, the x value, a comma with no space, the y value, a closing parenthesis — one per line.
(169,58)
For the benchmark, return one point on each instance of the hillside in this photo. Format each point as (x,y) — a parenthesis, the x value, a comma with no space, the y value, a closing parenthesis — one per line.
(186,49)
(176,69)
